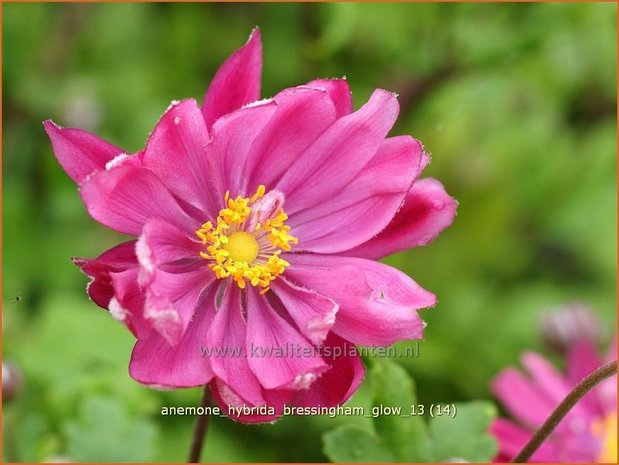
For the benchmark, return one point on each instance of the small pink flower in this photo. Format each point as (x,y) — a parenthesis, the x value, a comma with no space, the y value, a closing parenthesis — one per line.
(589,431)
(258,223)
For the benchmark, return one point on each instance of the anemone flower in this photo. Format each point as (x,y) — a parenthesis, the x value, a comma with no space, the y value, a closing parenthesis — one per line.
(588,433)
(258,224)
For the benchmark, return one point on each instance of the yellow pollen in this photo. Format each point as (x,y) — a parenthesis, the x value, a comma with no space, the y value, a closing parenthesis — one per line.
(246,253)
(242,247)
(606,430)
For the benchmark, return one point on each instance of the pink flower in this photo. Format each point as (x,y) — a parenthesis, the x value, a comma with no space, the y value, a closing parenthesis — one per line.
(589,431)
(258,223)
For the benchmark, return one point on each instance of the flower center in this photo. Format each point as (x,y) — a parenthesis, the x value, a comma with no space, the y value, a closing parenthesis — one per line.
(247,239)
(242,247)
(606,430)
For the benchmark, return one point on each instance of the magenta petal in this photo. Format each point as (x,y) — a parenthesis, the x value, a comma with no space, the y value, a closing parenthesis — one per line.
(173,276)
(114,286)
(366,205)
(377,303)
(313,314)
(160,312)
(427,210)
(229,401)
(339,154)
(172,298)
(522,399)
(125,197)
(79,152)
(425,161)
(233,137)
(278,355)
(607,390)
(155,362)
(582,360)
(551,382)
(513,438)
(127,304)
(342,379)
(339,91)
(226,343)
(119,258)
(302,115)
(175,153)
(164,246)
(237,82)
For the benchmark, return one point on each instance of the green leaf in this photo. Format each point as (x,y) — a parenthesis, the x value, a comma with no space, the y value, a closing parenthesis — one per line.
(105,432)
(405,435)
(465,436)
(350,443)
(401,437)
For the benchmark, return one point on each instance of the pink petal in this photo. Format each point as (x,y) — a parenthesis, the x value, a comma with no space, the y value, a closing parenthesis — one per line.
(339,154)
(425,161)
(555,386)
(114,286)
(279,356)
(175,153)
(302,115)
(523,399)
(342,379)
(582,360)
(127,304)
(79,152)
(427,210)
(226,343)
(364,207)
(164,246)
(233,138)
(512,439)
(155,362)
(173,276)
(172,299)
(607,390)
(119,258)
(339,91)
(313,314)
(125,197)
(229,401)
(161,313)
(377,303)
(237,82)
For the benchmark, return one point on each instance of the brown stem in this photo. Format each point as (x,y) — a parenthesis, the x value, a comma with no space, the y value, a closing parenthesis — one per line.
(564,407)
(199,433)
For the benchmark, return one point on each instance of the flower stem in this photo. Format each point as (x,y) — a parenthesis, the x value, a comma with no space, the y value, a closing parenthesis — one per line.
(199,433)
(564,407)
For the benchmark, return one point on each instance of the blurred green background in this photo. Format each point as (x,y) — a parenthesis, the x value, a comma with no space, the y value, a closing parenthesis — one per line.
(516,102)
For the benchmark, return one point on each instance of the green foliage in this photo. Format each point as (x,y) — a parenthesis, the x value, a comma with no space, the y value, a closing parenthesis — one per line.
(351,443)
(516,103)
(392,386)
(408,437)
(105,432)
(464,436)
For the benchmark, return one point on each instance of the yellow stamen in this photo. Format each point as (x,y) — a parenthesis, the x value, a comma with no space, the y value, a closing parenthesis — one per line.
(234,251)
